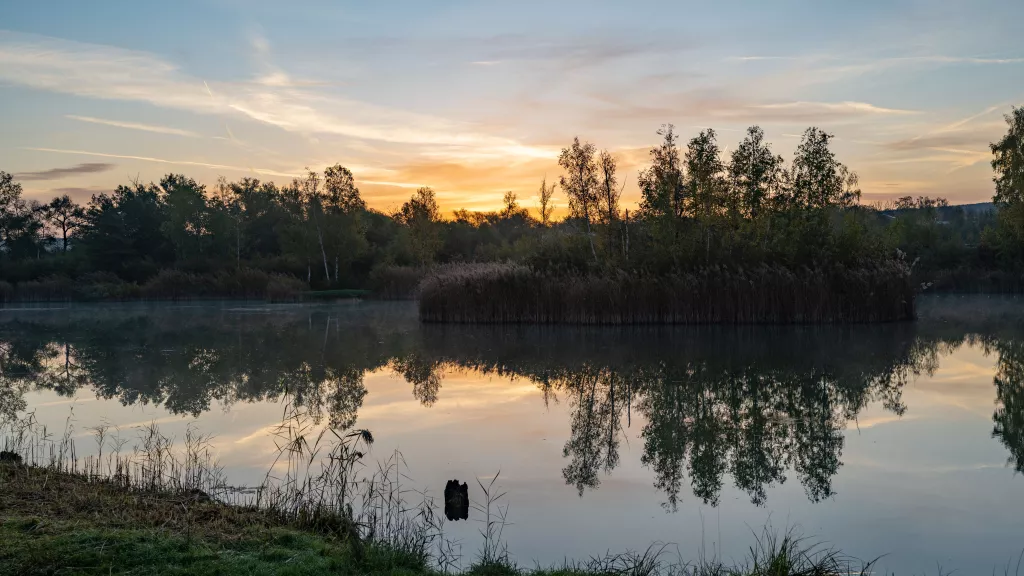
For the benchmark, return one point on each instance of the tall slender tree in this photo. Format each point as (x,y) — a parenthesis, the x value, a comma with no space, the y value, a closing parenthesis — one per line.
(662,186)
(608,201)
(313,198)
(705,175)
(547,194)
(580,183)
(818,180)
(755,173)
(1008,165)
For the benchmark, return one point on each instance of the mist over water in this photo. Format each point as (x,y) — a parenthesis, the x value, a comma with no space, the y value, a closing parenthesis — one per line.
(901,439)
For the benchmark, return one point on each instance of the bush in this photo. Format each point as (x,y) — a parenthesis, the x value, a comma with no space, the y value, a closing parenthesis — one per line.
(390,282)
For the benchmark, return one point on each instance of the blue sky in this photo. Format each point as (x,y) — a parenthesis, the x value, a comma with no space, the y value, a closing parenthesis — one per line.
(476,98)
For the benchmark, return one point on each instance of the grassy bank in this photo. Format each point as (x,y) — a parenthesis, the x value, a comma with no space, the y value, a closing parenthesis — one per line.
(161,508)
(60,523)
(512,293)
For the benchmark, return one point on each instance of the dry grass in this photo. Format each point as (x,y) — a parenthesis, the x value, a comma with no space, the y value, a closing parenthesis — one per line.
(512,293)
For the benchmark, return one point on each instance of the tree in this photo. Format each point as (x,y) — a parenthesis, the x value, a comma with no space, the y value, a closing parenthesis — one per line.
(124,231)
(580,183)
(705,175)
(1008,165)
(511,205)
(1008,162)
(11,209)
(226,221)
(546,195)
(187,214)
(343,228)
(609,194)
(755,172)
(340,190)
(64,214)
(311,196)
(818,179)
(421,215)
(662,186)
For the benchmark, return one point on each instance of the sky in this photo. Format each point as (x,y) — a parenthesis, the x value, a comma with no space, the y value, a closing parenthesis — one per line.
(475,98)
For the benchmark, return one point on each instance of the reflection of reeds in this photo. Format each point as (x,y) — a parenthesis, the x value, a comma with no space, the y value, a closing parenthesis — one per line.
(510,293)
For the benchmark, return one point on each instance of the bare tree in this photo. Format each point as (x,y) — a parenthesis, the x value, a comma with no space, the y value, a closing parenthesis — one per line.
(510,201)
(547,194)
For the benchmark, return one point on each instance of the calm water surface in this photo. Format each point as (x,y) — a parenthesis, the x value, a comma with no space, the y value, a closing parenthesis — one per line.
(902,439)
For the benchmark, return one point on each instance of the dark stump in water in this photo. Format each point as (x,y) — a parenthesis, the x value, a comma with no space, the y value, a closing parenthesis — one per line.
(456,500)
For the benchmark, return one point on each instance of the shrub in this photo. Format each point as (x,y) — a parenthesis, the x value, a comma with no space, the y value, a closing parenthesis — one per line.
(390,282)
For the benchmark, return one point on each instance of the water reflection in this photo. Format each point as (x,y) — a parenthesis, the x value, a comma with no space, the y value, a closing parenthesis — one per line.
(755,404)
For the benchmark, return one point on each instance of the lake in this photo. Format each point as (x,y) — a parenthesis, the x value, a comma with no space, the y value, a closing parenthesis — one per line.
(903,440)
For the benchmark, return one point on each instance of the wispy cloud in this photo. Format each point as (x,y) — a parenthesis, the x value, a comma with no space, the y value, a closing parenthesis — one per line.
(261,171)
(883,61)
(727,106)
(110,73)
(58,173)
(801,110)
(135,126)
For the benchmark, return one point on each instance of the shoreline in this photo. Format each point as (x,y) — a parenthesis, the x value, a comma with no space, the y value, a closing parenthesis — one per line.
(54,521)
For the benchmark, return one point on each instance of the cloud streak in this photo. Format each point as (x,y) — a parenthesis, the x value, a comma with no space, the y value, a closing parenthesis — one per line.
(261,171)
(58,173)
(135,126)
(802,110)
(109,73)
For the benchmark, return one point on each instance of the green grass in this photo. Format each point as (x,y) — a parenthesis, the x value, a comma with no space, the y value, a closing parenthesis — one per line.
(35,546)
(54,522)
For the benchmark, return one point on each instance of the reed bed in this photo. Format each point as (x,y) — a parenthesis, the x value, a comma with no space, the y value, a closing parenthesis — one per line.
(512,293)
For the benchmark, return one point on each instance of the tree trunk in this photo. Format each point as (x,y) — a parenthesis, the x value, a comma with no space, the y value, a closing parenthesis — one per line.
(590,236)
(238,243)
(323,253)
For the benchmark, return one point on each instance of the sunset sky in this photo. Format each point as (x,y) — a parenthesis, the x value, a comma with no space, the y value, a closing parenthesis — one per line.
(475,98)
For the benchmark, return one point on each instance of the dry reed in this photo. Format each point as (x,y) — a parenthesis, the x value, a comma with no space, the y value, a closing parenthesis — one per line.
(513,293)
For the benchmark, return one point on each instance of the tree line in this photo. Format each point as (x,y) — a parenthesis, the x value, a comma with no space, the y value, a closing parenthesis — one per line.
(698,207)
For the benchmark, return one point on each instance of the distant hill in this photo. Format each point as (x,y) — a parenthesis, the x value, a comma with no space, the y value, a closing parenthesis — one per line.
(946,211)
(973,208)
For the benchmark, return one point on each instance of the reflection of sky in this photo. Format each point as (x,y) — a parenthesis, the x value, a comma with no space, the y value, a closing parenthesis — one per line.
(931,487)
(476,98)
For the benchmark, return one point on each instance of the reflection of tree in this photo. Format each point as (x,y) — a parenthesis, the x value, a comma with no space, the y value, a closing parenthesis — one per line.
(423,374)
(593,443)
(1009,416)
(185,362)
(755,404)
